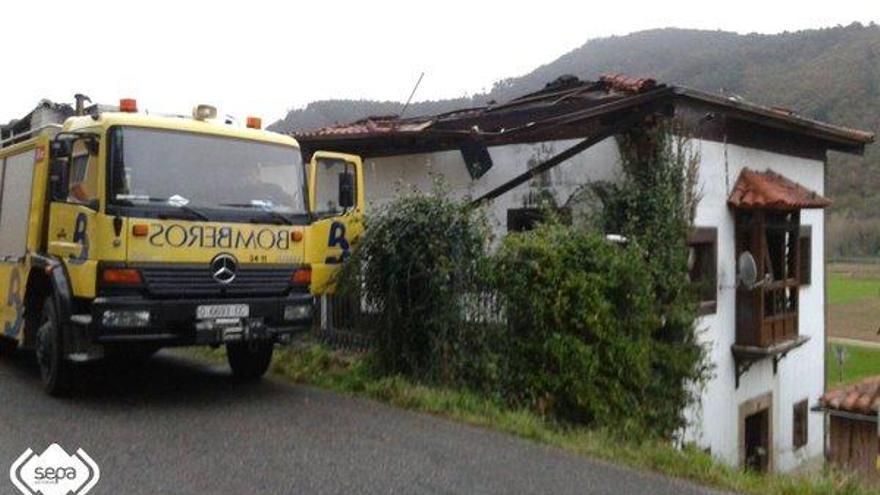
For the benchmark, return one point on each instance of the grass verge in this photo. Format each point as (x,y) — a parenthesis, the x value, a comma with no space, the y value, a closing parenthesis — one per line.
(853,287)
(307,362)
(859,362)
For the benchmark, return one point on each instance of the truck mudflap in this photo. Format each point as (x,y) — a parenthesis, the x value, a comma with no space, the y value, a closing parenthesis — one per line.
(75,340)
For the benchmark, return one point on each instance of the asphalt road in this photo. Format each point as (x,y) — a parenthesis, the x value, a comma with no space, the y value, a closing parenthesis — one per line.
(177,426)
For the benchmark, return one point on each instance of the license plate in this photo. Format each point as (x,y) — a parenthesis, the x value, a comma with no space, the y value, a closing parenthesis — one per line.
(211,311)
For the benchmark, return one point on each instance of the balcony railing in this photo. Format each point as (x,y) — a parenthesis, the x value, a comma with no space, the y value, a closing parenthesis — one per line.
(768,315)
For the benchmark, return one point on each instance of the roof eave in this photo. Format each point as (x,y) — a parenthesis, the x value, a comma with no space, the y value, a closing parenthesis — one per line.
(836,138)
(871,418)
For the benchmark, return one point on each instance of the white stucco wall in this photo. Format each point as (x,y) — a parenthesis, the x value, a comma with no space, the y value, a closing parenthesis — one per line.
(384,175)
(716,419)
(801,374)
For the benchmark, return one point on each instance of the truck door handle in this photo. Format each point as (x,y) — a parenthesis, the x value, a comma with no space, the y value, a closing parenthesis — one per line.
(69,249)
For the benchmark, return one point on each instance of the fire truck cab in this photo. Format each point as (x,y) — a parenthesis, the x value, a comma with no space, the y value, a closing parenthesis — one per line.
(123,232)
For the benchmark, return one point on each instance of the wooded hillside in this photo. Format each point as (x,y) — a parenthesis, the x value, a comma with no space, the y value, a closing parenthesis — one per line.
(829,74)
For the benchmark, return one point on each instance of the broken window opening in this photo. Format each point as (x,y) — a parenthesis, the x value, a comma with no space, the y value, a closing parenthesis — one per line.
(703,266)
(800,429)
(523,219)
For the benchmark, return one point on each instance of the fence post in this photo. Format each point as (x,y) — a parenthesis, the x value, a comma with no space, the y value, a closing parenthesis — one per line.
(326,323)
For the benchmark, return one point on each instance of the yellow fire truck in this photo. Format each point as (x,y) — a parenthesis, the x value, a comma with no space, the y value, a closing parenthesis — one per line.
(122,232)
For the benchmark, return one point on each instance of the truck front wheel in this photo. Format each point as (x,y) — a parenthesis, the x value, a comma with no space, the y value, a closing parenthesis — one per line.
(249,360)
(55,371)
(7,346)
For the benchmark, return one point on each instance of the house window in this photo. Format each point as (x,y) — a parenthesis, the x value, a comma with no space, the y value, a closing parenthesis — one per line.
(523,219)
(703,266)
(799,424)
(805,242)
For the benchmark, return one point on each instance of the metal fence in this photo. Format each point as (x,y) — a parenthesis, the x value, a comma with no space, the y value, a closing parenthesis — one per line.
(344,322)
(338,322)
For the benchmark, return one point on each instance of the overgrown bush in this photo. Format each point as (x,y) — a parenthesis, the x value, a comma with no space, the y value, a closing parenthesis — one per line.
(591,331)
(418,255)
(581,313)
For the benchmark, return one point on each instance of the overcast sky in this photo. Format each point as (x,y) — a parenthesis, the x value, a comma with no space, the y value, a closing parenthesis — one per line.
(262,58)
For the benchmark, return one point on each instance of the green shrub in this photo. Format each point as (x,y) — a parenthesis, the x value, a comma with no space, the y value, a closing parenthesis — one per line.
(581,314)
(418,255)
(591,332)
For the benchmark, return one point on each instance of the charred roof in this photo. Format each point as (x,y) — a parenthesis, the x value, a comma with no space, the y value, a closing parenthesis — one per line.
(565,108)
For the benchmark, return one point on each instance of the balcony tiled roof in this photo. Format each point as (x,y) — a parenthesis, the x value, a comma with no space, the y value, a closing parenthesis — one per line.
(769,190)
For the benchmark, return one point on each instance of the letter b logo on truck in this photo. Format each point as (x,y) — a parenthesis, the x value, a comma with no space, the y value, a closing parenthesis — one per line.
(81,236)
(13,300)
(337,239)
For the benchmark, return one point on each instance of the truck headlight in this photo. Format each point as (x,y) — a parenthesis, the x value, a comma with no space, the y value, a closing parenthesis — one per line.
(125,318)
(297,312)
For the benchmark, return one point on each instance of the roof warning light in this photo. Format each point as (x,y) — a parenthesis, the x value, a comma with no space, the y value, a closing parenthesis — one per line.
(128,105)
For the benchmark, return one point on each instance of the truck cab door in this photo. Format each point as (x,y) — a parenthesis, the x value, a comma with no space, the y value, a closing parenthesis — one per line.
(336,202)
(72,217)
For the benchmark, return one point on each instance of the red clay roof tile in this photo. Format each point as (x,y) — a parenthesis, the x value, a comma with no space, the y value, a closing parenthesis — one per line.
(629,84)
(769,190)
(862,397)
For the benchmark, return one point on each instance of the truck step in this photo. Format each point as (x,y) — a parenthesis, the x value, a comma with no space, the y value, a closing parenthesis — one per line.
(81,320)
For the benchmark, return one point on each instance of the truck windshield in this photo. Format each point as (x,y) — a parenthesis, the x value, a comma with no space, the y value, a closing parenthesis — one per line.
(182,169)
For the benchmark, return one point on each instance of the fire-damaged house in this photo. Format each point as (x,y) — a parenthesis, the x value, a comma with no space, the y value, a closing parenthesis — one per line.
(757,240)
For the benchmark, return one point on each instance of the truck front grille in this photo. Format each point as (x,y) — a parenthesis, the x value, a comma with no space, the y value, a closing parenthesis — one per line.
(189,281)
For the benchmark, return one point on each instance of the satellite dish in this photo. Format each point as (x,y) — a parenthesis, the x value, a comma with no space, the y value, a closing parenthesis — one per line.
(748,270)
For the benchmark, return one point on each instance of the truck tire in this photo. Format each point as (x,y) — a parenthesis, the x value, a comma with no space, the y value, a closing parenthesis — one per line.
(249,360)
(55,371)
(7,346)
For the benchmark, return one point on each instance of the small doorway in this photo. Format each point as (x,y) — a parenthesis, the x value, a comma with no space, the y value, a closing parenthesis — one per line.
(756,433)
(757,441)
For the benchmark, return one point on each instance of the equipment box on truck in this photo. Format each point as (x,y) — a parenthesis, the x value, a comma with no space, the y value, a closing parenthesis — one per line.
(124,232)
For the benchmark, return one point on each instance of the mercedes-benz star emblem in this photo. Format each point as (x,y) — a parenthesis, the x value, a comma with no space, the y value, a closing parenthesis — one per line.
(223,268)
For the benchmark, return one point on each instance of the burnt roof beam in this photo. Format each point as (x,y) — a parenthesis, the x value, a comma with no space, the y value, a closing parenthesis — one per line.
(568,125)
(560,158)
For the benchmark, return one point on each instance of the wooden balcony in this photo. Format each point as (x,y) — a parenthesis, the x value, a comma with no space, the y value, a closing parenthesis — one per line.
(766,324)
(768,315)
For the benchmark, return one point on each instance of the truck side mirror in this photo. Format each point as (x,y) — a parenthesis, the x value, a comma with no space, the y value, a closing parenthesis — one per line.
(346,190)
(59,154)
(93,146)
(58,179)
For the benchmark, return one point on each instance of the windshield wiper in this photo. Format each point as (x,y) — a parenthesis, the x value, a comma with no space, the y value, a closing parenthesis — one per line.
(196,213)
(189,209)
(262,208)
